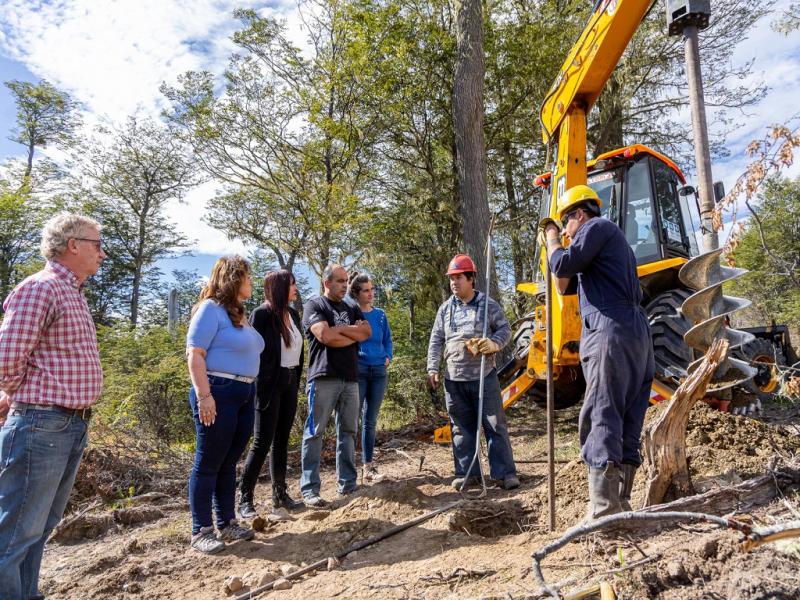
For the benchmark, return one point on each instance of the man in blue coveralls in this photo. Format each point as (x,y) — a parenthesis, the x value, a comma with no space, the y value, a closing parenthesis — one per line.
(615,347)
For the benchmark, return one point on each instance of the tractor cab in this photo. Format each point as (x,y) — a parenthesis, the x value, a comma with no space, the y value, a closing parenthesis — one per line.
(643,191)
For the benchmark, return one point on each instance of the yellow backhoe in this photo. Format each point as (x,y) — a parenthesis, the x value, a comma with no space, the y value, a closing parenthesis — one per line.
(645,193)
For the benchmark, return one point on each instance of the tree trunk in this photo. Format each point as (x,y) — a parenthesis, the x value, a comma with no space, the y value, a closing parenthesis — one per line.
(469,136)
(664,441)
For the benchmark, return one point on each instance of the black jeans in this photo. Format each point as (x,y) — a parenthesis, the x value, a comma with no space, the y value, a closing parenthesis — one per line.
(275,410)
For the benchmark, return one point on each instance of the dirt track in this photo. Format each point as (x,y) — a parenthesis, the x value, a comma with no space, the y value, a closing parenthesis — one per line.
(482,551)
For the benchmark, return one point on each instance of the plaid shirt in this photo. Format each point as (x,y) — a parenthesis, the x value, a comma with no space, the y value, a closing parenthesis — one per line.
(48,343)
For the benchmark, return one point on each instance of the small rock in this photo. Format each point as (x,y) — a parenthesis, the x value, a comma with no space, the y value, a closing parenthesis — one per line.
(232,585)
(282,584)
(352,555)
(132,588)
(267,577)
(287,569)
(676,570)
(333,563)
(259,524)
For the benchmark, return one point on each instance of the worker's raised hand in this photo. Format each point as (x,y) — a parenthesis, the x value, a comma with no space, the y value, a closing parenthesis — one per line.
(433,380)
(548,228)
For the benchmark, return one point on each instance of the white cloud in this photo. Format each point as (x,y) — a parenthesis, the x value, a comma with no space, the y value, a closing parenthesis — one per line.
(113,55)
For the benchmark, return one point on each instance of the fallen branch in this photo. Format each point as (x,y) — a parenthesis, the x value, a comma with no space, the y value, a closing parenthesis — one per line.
(605,522)
(354,548)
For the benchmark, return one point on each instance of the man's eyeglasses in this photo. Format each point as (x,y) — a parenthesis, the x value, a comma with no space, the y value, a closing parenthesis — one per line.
(98,244)
(570,215)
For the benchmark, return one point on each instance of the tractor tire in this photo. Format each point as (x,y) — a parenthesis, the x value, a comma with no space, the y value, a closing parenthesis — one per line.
(567,393)
(667,328)
(764,356)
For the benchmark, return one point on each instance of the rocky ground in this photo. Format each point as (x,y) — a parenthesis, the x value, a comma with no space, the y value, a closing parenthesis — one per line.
(480,550)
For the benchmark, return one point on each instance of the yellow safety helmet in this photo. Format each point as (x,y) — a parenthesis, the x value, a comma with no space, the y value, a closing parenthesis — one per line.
(580,194)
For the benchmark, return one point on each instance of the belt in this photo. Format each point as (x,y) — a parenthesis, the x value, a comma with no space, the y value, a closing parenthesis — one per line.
(83,413)
(241,378)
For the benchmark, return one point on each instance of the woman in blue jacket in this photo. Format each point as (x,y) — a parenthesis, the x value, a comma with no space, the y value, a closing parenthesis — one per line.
(374,356)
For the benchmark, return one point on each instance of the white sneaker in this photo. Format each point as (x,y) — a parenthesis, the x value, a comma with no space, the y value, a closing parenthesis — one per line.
(207,542)
(371,475)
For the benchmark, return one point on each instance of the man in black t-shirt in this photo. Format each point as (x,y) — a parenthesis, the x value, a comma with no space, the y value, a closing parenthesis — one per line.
(333,329)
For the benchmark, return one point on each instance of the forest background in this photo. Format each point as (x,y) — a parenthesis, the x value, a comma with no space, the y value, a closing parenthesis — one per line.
(347,147)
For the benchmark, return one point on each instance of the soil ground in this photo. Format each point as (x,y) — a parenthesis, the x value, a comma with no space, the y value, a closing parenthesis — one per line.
(480,551)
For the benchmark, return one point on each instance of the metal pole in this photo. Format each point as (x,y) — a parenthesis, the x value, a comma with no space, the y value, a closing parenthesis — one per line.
(551,466)
(702,153)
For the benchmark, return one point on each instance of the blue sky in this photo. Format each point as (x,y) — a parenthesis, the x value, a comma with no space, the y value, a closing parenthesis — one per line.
(112,55)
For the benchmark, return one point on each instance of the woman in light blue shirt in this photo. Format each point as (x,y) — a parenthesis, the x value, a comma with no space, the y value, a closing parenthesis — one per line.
(223,353)
(374,356)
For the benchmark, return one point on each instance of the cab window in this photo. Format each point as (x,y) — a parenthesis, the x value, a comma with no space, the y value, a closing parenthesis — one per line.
(639,222)
(672,219)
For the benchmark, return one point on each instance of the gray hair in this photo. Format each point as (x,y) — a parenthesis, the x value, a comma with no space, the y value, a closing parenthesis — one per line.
(59,229)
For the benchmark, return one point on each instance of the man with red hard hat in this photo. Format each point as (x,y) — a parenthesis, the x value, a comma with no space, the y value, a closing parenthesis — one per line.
(458,333)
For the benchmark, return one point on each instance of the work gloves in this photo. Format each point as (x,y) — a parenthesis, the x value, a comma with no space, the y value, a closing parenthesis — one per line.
(541,238)
(482,346)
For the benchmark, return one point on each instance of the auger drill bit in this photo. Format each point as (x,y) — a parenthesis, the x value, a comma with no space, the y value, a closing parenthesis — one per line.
(709,310)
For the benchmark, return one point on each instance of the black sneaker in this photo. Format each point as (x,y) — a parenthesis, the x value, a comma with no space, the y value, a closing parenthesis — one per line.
(247,510)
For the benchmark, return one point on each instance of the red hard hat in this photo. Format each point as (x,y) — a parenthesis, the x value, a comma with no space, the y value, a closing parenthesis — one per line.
(461,263)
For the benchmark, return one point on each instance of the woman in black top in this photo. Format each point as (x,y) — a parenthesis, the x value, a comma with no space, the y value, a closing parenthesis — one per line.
(276,390)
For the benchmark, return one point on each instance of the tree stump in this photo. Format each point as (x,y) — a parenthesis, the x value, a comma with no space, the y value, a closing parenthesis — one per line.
(664,442)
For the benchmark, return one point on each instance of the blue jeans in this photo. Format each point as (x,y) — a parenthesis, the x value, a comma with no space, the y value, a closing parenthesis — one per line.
(461,398)
(371,389)
(326,394)
(40,451)
(218,448)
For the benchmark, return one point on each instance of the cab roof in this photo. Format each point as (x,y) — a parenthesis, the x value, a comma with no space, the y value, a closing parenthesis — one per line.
(625,153)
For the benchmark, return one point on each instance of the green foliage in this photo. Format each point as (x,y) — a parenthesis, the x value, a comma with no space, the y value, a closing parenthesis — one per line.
(45,115)
(129,183)
(770,250)
(146,383)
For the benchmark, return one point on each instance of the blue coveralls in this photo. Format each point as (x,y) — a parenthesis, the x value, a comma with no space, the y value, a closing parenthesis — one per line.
(616,349)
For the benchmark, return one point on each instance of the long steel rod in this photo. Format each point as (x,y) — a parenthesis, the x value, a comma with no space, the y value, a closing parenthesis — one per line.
(551,467)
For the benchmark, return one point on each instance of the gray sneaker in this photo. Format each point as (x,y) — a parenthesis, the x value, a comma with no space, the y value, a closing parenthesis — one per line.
(315,501)
(207,542)
(234,532)
(510,482)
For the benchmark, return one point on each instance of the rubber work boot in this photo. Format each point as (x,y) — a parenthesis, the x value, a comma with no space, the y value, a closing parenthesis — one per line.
(626,485)
(604,487)
(281,499)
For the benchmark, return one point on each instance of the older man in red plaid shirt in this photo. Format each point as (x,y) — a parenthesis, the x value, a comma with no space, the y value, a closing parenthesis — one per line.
(50,376)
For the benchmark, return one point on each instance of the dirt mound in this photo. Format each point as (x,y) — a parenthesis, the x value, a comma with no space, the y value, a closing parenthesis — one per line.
(732,447)
(490,519)
(572,495)
(715,567)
